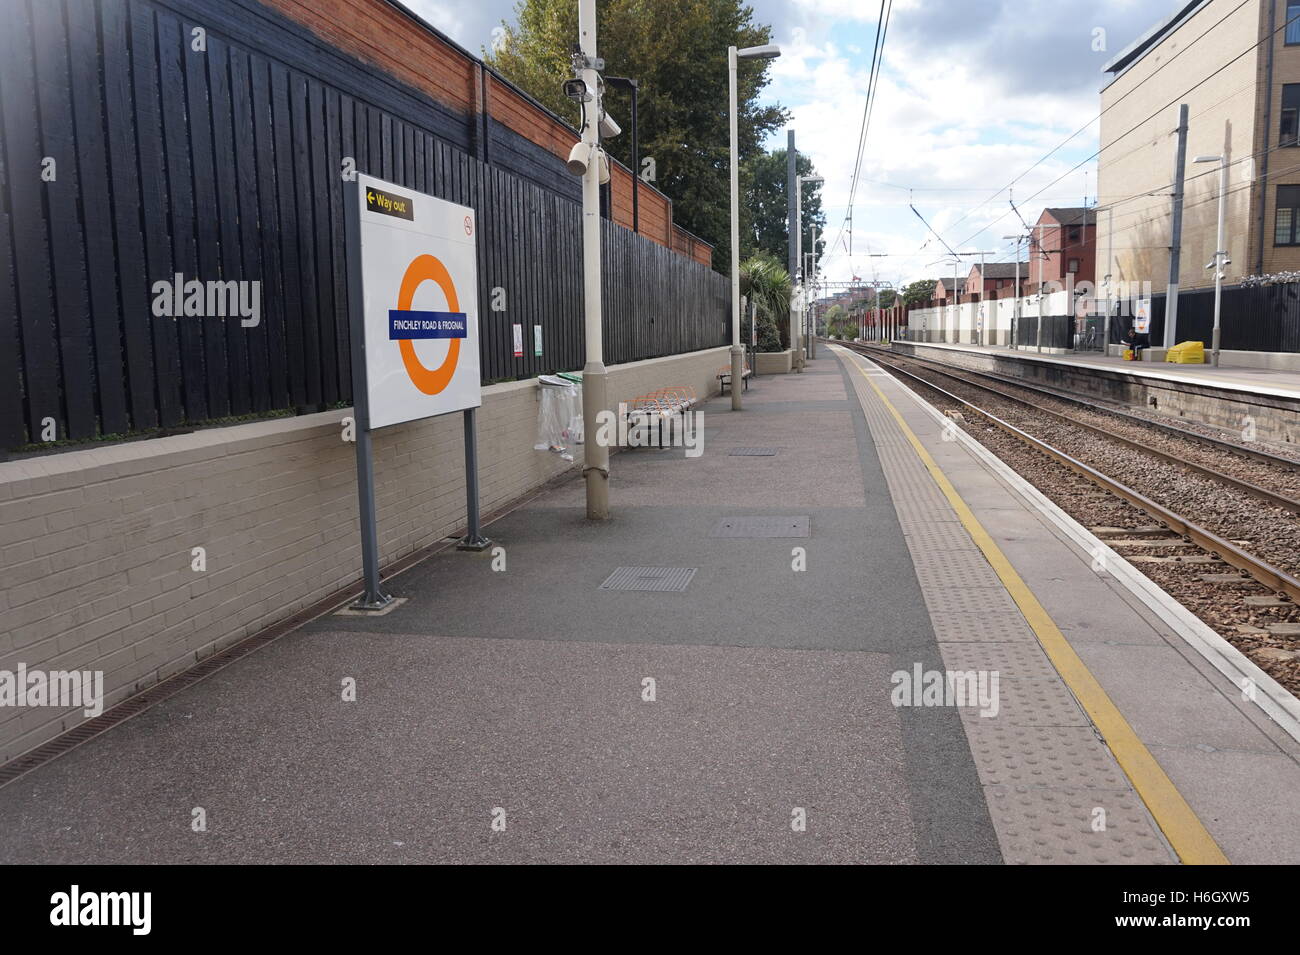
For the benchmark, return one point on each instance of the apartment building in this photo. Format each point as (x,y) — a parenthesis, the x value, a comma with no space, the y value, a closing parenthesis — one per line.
(1237,67)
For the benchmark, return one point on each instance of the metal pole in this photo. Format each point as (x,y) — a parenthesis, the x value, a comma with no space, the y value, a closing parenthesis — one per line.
(737,352)
(1039,338)
(1110,280)
(595,453)
(812,315)
(1176,233)
(1220,256)
(792,220)
(636,165)
(1015,303)
(373,597)
(473,539)
(796,346)
(983,283)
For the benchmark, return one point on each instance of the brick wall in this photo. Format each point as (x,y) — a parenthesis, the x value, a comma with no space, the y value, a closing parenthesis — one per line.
(96,544)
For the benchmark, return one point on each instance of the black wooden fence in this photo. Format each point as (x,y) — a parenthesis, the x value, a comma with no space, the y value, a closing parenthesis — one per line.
(1252,318)
(227,164)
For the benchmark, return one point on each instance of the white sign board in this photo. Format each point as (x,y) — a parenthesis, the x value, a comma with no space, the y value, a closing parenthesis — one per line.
(1142,316)
(419,276)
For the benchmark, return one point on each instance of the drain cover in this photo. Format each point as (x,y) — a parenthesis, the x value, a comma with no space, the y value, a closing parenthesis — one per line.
(672,579)
(753,452)
(763,527)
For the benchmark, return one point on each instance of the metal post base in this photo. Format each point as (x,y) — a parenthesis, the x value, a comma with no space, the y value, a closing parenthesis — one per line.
(372,601)
(470,542)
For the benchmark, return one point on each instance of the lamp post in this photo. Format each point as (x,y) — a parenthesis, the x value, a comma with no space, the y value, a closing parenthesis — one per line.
(623,82)
(796,351)
(1220,254)
(765,52)
(1015,302)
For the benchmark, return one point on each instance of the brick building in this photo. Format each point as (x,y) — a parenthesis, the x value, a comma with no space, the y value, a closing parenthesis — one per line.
(1237,67)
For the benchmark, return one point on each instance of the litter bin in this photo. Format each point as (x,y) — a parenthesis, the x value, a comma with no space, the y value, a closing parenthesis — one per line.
(559,418)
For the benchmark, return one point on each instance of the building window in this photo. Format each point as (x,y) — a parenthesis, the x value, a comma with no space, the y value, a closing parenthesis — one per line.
(1292,24)
(1285,219)
(1074,233)
(1290,114)
(1073,266)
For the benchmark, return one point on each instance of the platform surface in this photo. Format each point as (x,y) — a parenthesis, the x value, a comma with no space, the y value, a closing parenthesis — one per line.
(518,695)
(1268,381)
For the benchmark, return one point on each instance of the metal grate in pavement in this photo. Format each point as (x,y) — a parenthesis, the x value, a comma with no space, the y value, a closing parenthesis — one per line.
(753,452)
(661,579)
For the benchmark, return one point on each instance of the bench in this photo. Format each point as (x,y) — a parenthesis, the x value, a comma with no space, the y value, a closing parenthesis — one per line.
(651,410)
(724,378)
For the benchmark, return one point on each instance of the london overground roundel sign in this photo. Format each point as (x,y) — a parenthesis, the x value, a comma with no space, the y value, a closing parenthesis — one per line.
(419,276)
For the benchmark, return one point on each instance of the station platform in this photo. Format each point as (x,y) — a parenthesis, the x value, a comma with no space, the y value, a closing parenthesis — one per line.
(769,701)
(1274,382)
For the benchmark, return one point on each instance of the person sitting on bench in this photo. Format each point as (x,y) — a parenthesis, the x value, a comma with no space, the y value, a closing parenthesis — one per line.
(1137,341)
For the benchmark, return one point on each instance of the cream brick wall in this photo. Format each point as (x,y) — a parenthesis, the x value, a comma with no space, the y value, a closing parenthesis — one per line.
(1222,108)
(95,545)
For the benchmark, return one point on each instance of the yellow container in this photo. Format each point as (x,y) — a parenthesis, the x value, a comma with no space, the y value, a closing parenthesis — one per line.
(1187,353)
(1128,354)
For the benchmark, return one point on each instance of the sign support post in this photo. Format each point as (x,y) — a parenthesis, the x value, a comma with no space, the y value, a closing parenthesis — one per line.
(473,539)
(373,597)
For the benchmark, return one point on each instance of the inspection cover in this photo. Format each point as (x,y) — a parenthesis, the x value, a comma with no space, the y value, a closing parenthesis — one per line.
(672,579)
(763,527)
(753,452)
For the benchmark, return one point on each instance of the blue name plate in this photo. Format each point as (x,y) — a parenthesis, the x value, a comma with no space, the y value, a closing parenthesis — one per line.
(413,324)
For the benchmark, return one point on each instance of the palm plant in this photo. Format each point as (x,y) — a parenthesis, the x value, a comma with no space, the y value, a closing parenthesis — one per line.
(765,282)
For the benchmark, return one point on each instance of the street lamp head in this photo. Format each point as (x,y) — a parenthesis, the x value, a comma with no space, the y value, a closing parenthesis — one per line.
(804,179)
(769,51)
(1208,159)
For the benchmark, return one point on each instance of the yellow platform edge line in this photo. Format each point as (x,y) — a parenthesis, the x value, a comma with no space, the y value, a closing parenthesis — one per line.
(1176,819)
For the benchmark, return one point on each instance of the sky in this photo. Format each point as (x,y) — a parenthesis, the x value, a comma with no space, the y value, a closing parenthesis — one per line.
(972,95)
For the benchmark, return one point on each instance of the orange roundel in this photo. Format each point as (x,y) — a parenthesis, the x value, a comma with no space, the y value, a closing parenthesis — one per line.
(426,268)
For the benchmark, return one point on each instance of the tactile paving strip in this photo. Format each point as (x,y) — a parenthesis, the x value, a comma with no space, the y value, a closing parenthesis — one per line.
(976,598)
(1055,826)
(1023,701)
(1058,757)
(662,579)
(1044,770)
(981,628)
(763,527)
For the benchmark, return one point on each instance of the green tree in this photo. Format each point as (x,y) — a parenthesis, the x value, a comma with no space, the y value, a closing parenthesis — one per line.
(677,51)
(887,297)
(766,201)
(765,282)
(919,292)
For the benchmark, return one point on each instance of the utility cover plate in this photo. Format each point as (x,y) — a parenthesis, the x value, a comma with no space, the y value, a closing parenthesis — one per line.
(662,579)
(759,527)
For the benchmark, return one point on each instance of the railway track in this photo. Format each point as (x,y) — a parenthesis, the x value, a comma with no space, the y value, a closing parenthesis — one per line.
(1242,583)
(1275,469)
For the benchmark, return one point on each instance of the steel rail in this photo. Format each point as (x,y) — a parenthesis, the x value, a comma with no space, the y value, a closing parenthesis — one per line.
(1224,444)
(1254,490)
(1265,573)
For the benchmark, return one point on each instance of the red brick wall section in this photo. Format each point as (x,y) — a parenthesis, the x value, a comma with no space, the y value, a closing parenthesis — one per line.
(376,32)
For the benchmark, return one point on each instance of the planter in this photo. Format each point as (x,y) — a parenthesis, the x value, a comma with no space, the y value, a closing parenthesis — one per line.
(772,362)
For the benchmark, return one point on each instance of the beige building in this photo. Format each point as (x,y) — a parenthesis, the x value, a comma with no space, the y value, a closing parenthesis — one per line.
(1237,67)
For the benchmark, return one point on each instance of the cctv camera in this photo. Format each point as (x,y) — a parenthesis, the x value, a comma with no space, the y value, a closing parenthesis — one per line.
(579,157)
(577,91)
(604,167)
(609,128)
